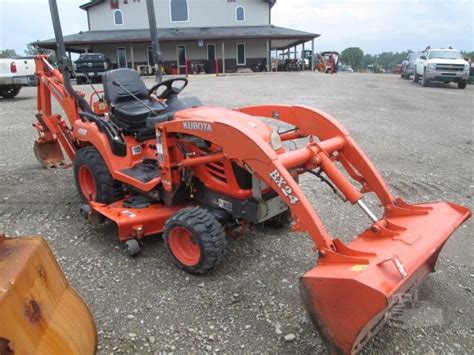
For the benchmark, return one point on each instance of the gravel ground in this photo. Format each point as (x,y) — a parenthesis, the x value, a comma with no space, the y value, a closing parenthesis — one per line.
(419,138)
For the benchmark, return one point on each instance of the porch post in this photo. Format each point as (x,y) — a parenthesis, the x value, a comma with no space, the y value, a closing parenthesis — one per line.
(223,58)
(312,57)
(302,56)
(132,57)
(269,56)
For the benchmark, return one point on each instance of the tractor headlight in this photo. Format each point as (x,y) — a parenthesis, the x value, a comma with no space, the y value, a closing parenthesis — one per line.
(431,66)
(275,140)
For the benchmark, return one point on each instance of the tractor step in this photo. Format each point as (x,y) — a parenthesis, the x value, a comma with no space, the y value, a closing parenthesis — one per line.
(144,171)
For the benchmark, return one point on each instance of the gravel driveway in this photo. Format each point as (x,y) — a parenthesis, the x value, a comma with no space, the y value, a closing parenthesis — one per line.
(421,139)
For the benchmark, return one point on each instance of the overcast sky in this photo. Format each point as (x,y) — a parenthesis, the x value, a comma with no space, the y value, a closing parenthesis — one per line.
(373,25)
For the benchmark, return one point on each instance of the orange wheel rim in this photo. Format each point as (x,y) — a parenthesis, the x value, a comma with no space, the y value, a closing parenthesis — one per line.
(87,182)
(184,247)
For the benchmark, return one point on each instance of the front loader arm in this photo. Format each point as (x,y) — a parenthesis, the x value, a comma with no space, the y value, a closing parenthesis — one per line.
(313,122)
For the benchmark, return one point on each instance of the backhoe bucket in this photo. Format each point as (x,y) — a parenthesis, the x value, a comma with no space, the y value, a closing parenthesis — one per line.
(349,298)
(48,153)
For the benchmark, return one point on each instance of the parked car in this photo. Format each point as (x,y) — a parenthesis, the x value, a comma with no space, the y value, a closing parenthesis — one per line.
(345,68)
(92,65)
(444,65)
(397,69)
(408,65)
(14,74)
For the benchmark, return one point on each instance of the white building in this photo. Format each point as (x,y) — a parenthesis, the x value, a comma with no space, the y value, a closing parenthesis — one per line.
(238,33)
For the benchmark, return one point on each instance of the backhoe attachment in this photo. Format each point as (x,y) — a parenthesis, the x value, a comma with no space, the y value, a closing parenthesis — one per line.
(350,291)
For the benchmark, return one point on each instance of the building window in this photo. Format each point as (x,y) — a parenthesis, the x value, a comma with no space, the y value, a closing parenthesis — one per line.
(241,60)
(179,11)
(239,14)
(118,18)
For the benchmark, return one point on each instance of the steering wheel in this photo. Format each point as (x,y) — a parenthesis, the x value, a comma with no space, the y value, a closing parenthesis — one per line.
(170,90)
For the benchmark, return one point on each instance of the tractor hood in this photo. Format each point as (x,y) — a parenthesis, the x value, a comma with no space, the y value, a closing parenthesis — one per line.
(212,114)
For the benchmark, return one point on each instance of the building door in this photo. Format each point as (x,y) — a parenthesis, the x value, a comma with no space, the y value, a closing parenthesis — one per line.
(122,61)
(211,57)
(181,52)
(241,58)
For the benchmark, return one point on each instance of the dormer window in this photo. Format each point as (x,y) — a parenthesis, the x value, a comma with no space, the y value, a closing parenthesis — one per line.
(239,14)
(179,11)
(118,18)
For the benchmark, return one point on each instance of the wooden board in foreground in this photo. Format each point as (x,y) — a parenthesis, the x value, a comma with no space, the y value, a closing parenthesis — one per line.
(39,312)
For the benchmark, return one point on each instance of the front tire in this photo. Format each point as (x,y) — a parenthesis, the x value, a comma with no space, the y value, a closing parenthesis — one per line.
(93,180)
(195,240)
(462,85)
(416,77)
(424,80)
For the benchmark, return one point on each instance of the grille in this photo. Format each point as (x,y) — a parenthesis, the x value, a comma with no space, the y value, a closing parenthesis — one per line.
(217,170)
(449,67)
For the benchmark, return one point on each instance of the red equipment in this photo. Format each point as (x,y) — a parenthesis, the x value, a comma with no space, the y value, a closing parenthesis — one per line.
(176,167)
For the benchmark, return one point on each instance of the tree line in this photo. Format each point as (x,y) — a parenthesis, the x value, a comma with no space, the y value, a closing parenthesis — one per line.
(355,57)
(29,51)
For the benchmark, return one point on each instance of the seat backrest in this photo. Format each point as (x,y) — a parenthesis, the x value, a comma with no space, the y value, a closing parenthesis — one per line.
(129,79)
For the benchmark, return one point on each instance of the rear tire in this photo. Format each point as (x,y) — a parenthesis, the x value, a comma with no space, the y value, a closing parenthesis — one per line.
(93,179)
(10,92)
(462,85)
(195,240)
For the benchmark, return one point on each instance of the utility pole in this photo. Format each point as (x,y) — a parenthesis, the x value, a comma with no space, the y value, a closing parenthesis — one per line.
(155,42)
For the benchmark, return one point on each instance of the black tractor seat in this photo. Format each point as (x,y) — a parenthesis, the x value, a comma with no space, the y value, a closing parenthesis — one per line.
(139,117)
(128,113)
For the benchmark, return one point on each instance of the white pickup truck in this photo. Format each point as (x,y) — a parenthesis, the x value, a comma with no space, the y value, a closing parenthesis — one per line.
(444,65)
(14,74)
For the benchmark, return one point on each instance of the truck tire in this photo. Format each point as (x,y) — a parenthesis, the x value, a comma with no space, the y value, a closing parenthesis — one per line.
(424,80)
(195,240)
(462,84)
(93,179)
(416,77)
(10,92)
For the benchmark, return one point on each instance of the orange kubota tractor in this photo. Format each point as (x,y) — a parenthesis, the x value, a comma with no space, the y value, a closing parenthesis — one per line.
(155,163)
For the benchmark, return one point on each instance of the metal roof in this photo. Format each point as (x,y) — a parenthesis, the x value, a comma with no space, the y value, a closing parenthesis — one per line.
(291,37)
(97,2)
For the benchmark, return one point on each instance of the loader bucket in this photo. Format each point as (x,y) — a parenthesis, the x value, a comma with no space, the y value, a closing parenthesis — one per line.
(49,153)
(39,311)
(350,299)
